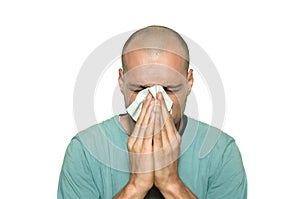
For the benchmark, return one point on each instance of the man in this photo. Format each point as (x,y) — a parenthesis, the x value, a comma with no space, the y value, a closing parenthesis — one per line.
(156,156)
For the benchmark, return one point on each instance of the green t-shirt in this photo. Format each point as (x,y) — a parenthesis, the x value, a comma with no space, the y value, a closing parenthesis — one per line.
(96,163)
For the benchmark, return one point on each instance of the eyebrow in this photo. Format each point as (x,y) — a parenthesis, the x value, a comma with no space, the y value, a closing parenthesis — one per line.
(145,86)
(137,85)
(174,86)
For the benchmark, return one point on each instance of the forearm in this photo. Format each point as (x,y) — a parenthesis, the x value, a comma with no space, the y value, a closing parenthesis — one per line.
(178,190)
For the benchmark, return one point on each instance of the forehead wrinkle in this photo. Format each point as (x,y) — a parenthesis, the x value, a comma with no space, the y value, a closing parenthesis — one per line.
(141,82)
(154,52)
(142,57)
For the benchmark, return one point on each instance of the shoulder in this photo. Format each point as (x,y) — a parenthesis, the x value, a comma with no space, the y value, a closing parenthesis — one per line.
(102,141)
(98,132)
(93,140)
(208,138)
(216,146)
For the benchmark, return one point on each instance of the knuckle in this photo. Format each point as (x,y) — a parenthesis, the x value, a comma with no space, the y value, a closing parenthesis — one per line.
(129,145)
(147,148)
(177,136)
(136,147)
(176,147)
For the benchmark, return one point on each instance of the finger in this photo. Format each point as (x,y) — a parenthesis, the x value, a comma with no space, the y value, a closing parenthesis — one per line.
(172,146)
(169,125)
(164,132)
(157,139)
(148,138)
(147,115)
(142,129)
(145,106)
(150,117)
(136,131)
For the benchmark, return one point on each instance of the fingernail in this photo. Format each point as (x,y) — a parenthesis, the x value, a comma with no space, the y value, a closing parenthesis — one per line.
(159,95)
(152,102)
(155,105)
(149,96)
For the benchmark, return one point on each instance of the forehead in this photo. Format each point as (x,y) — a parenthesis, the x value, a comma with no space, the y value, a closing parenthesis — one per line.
(144,57)
(151,74)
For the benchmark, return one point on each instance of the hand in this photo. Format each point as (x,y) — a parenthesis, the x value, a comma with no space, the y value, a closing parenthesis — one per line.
(140,149)
(166,147)
(153,149)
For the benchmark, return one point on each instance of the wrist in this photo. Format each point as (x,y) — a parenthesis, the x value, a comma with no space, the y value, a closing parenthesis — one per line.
(135,189)
(169,184)
(177,189)
(170,191)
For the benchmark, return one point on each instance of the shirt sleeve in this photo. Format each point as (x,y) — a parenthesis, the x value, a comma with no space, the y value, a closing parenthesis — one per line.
(76,180)
(229,180)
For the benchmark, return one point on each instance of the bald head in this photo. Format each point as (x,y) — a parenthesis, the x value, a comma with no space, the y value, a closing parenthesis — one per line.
(156,40)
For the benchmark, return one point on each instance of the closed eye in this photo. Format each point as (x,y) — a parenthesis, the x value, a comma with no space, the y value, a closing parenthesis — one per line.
(138,89)
(171,90)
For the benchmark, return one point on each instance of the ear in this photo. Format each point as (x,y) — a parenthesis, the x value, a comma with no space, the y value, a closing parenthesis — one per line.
(121,80)
(190,79)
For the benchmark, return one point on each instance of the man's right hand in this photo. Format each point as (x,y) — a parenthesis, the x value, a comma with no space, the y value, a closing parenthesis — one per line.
(140,153)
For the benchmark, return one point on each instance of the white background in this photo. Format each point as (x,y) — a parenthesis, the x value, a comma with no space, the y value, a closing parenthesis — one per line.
(254,45)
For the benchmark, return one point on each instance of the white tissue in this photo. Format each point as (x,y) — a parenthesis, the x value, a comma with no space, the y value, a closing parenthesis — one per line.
(135,107)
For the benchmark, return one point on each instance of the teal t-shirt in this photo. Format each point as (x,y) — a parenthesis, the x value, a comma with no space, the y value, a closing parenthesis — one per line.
(96,163)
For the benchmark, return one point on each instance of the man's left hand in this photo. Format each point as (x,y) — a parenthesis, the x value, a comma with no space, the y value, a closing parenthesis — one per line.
(166,148)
